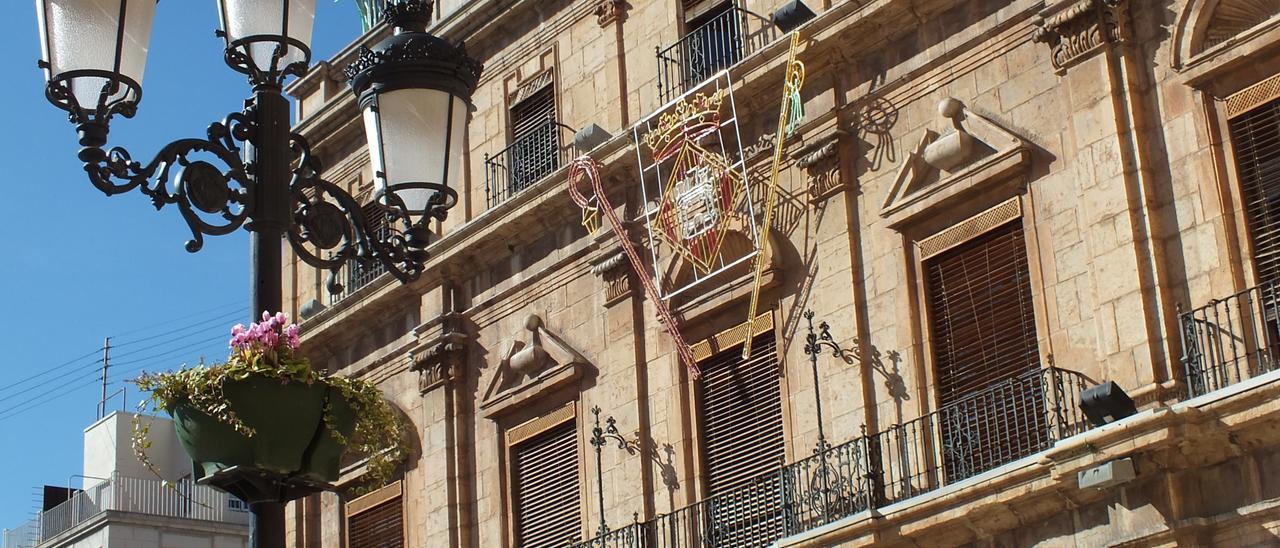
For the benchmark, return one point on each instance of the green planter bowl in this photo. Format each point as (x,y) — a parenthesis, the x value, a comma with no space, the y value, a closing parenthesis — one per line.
(286,418)
(325,457)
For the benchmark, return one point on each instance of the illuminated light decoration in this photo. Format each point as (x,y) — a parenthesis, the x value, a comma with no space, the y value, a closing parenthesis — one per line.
(586,167)
(695,187)
(789,118)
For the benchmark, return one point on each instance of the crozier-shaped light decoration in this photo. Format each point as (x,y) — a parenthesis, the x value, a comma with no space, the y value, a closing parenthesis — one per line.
(414,91)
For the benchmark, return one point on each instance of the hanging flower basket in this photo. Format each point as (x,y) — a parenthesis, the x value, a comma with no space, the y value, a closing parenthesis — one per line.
(266,411)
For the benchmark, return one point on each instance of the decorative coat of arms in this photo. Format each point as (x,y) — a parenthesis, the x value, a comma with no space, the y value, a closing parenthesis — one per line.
(695,185)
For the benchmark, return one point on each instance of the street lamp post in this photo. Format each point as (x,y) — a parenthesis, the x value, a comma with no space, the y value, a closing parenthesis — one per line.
(814,344)
(250,170)
(599,438)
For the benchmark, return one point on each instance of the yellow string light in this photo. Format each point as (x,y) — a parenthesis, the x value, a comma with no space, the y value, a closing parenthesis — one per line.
(791,84)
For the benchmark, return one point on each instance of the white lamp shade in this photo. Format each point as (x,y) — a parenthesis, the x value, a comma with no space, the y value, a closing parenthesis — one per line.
(109,36)
(290,19)
(415,136)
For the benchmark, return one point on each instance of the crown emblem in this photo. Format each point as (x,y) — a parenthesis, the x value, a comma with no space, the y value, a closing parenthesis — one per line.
(690,119)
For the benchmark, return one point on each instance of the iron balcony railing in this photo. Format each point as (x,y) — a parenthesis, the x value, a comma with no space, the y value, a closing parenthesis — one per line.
(1008,421)
(536,154)
(136,495)
(354,276)
(1230,340)
(713,46)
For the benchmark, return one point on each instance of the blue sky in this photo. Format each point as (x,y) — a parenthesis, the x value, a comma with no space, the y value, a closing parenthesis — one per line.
(77,266)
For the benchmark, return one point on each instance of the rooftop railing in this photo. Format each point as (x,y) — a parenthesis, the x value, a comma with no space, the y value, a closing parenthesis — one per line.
(136,495)
(712,46)
(536,154)
(1230,340)
(1010,420)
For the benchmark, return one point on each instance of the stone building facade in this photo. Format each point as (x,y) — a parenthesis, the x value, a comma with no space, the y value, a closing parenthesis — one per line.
(993,204)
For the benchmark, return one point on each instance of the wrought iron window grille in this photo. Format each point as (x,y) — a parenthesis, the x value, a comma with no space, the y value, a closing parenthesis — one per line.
(538,152)
(716,42)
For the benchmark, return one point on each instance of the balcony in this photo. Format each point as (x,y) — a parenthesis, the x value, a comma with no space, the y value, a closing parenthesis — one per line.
(712,46)
(150,497)
(1003,423)
(1230,340)
(537,153)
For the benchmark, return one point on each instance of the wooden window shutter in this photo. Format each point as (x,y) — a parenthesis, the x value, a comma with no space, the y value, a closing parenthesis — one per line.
(376,520)
(983,323)
(546,488)
(1255,137)
(985,352)
(742,415)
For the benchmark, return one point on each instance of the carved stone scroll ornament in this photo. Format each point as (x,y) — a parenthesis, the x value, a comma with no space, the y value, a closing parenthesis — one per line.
(1081,28)
(821,162)
(616,273)
(442,359)
(609,11)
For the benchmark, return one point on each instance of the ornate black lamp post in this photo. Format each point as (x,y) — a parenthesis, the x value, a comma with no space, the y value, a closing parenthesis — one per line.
(599,438)
(814,344)
(250,170)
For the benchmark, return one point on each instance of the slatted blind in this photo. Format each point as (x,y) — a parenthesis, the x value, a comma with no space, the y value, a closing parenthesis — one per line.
(546,488)
(535,148)
(985,352)
(1255,137)
(742,415)
(980,311)
(532,112)
(381,526)
(743,444)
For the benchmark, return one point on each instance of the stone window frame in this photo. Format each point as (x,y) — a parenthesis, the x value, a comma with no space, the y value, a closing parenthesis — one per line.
(524,80)
(1229,71)
(1187,55)
(923,239)
(525,424)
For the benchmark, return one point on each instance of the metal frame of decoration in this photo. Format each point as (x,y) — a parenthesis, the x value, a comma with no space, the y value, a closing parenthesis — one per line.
(694,182)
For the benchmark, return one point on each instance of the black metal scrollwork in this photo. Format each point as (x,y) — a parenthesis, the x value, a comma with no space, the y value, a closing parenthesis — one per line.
(330,227)
(213,200)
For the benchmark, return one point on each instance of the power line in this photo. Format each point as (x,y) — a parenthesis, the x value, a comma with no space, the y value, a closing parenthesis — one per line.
(53,369)
(173,339)
(172,351)
(220,309)
(202,323)
(23,406)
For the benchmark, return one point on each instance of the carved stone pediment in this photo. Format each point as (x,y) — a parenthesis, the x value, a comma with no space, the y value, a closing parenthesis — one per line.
(974,155)
(534,363)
